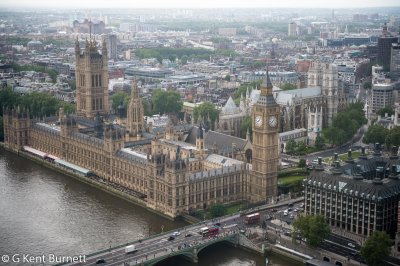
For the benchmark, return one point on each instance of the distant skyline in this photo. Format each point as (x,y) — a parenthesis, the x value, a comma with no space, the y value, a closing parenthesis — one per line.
(198,4)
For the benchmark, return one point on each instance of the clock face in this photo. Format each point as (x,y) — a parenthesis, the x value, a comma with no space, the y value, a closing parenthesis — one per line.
(273,121)
(258,121)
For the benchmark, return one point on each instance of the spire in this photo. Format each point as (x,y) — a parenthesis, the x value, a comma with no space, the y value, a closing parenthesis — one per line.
(134,90)
(200,134)
(266,86)
(77,48)
(248,134)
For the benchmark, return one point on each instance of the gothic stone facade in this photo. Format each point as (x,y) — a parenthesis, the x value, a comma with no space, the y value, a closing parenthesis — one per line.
(171,175)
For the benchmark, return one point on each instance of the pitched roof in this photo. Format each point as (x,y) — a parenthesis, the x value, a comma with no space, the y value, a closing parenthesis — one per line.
(284,97)
(223,142)
(230,107)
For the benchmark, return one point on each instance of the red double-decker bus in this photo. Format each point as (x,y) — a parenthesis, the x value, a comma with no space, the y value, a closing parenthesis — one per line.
(211,232)
(252,218)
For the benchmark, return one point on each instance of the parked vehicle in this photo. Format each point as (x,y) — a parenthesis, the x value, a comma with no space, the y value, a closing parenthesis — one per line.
(130,249)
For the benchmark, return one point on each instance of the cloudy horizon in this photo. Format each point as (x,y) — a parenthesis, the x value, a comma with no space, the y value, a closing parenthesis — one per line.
(116,4)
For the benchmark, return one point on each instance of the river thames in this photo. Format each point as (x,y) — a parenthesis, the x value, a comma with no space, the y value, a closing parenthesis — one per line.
(44,212)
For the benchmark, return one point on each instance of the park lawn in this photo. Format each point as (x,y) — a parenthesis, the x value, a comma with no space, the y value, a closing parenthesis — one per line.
(342,157)
(288,180)
(354,155)
(234,208)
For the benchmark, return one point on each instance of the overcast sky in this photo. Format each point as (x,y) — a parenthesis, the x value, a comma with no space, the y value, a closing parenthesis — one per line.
(197,3)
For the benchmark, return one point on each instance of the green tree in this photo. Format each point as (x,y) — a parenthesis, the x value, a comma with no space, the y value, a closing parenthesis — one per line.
(246,124)
(393,137)
(40,104)
(302,163)
(312,227)
(184,59)
(376,248)
(205,112)
(228,77)
(301,148)
(72,84)
(375,133)
(69,108)
(1,129)
(287,86)
(345,124)
(146,107)
(367,85)
(243,88)
(119,98)
(51,72)
(217,210)
(386,110)
(291,147)
(319,142)
(166,102)
(8,98)
(159,59)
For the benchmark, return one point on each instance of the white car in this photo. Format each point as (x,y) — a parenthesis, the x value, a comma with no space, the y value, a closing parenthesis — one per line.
(176,233)
(351,245)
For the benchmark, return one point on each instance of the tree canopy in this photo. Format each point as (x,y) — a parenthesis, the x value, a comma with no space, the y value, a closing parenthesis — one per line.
(243,88)
(173,53)
(376,248)
(51,72)
(296,147)
(345,124)
(38,103)
(218,210)
(287,86)
(1,129)
(247,125)
(311,227)
(8,98)
(375,133)
(204,112)
(393,137)
(319,142)
(118,98)
(386,110)
(166,102)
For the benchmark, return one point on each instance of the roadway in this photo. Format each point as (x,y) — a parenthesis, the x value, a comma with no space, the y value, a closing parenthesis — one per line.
(276,219)
(160,245)
(354,144)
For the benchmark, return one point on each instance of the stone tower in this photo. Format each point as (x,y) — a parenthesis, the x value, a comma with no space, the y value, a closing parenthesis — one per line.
(91,75)
(17,127)
(315,74)
(135,113)
(314,127)
(326,76)
(263,180)
(330,90)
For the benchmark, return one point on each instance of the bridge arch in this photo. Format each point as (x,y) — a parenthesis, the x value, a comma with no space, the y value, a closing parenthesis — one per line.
(191,253)
(186,255)
(211,243)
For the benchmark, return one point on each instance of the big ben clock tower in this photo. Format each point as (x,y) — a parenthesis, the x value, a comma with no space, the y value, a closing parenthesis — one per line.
(265,117)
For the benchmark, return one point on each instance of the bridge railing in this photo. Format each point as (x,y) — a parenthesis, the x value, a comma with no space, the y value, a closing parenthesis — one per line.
(182,250)
(262,207)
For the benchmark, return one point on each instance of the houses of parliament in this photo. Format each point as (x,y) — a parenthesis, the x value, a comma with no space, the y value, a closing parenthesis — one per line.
(175,169)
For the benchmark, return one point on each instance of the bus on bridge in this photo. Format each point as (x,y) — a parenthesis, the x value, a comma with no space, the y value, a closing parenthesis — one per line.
(252,218)
(211,232)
